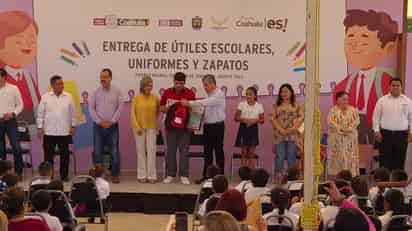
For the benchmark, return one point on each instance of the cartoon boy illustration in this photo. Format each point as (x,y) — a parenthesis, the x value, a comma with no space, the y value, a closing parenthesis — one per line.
(18,49)
(370,38)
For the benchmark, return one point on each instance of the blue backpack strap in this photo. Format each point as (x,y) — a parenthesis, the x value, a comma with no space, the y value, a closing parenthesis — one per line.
(350,80)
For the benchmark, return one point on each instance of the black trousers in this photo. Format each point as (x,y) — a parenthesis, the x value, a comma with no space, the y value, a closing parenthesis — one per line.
(62,142)
(392,149)
(213,138)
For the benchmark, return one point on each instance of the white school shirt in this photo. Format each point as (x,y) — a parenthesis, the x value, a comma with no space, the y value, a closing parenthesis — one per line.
(244,186)
(275,221)
(367,85)
(393,113)
(56,114)
(52,221)
(329,213)
(11,101)
(248,111)
(103,188)
(254,193)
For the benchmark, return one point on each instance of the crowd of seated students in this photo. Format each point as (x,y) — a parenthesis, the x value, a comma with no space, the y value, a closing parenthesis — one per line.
(351,202)
(18,215)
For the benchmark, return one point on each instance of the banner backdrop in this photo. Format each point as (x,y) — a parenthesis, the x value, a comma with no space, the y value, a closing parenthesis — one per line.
(243,43)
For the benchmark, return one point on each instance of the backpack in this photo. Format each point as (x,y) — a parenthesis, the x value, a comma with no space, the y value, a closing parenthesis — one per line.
(177,117)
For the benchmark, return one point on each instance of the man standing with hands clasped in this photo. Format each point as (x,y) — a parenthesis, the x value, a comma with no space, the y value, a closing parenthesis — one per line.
(55,122)
(11,104)
(392,124)
(214,123)
(105,107)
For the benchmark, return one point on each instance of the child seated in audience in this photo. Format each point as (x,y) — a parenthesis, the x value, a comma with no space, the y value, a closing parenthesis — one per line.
(360,194)
(400,176)
(11,180)
(211,172)
(245,183)
(46,172)
(56,185)
(259,180)
(379,175)
(103,187)
(41,203)
(393,205)
(280,198)
(14,208)
(220,185)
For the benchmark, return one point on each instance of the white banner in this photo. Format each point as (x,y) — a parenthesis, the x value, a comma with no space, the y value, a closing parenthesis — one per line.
(243,43)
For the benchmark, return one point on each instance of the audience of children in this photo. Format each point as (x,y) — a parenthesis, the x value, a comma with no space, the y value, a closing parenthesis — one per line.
(259,180)
(13,203)
(245,184)
(220,184)
(280,198)
(45,172)
(103,187)
(41,204)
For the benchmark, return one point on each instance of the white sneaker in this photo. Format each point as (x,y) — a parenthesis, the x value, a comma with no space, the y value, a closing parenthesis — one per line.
(184,180)
(168,180)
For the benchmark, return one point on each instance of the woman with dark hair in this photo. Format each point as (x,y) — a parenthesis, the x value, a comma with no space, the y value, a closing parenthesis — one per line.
(343,121)
(393,204)
(249,114)
(287,117)
(14,208)
(280,198)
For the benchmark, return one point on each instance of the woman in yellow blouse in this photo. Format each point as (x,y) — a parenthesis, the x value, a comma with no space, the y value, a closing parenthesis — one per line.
(144,113)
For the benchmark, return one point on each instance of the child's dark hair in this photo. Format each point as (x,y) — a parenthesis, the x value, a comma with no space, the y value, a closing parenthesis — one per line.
(212,171)
(45,168)
(395,200)
(244,173)
(398,175)
(360,188)
(381,175)
(345,175)
(179,76)
(350,219)
(340,94)
(259,177)
(254,90)
(56,185)
(220,184)
(280,198)
(13,202)
(41,201)
(292,173)
(11,180)
(5,166)
(97,171)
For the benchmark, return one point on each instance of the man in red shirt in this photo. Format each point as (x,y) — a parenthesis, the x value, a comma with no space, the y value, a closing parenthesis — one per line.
(177,137)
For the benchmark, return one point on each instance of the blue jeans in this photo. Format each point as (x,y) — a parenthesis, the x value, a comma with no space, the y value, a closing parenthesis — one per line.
(285,150)
(9,127)
(107,137)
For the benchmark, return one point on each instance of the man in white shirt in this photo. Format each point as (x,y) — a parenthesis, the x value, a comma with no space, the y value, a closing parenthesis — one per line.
(55,123)
(11,104)
(392,124)
(214,123)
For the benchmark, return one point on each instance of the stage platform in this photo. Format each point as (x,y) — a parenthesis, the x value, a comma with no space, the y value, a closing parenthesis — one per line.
(159,198)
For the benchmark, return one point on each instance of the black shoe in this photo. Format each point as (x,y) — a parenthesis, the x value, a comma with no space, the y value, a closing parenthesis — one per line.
(91,220)
(102,221)
(200,181)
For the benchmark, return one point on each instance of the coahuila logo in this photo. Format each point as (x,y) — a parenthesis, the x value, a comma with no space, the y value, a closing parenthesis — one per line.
(219,23)
(249,22)
(112,21)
